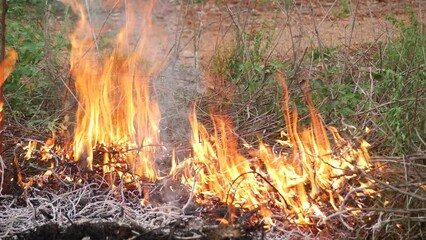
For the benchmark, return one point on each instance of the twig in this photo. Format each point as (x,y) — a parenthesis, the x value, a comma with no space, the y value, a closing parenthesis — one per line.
(261,176)
(385,104)
(95,40)
(392,187)
(2,173)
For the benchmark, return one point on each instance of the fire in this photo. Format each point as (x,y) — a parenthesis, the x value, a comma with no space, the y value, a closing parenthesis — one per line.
(118,120)
(218,153)
(308,174)
(115,110)
(6,68)
(8,64)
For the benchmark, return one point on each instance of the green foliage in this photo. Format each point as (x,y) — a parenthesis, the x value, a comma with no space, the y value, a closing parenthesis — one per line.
(336,101)
(392,98)
(249,68)
(28,91)
(401,83)
(249,64)
(194,1)
(343,11)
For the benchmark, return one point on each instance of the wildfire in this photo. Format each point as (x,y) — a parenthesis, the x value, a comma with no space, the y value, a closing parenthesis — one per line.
(117,118)
(115,110)
(300,180)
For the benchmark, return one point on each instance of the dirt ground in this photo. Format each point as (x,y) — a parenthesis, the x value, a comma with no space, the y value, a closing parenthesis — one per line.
(299,25)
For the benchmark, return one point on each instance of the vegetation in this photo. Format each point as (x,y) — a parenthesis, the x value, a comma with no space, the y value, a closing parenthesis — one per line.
(386,93)
(33,96)
(390,95)
(379,85)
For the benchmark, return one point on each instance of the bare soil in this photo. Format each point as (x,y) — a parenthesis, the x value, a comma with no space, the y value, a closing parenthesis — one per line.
(302,24)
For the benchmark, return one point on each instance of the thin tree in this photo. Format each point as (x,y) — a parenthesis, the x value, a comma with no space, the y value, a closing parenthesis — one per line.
(2,73)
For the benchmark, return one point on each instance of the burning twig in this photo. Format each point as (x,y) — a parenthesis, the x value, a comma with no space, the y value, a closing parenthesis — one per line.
(264,179)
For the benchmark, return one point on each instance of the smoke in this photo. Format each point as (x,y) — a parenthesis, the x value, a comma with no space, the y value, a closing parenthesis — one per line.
(144,31)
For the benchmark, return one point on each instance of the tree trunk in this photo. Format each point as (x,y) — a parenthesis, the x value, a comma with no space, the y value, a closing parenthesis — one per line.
(2,73)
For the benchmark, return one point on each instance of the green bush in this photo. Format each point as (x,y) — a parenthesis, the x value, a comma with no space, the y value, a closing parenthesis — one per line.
(31,92)
(248,66)
(401,87)
(391,99)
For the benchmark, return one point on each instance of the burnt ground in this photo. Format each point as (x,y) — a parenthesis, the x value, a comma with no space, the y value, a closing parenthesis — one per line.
(113,230)
(108,230)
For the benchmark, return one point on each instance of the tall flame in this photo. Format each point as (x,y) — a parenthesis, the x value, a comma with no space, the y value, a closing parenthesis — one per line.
(113,89)
(308,173)
(117,112)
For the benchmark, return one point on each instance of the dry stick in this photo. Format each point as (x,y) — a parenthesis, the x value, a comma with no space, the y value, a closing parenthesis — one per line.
(66,84)
(349,43)
(191,196)
(316,26)
(240,32)
(219,39)
(92,28)
(261,176)
(180,27)
(287,24)
(421,198)
(241,36)
(108,16)
(293,45)
(2,171)
(397,160)
(419,137)
(179,32)
(197,37)
(2,55)
(327,13)
(385,104)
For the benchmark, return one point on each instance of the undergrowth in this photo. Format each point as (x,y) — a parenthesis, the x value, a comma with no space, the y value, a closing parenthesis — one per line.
(387,93)
(379,85)
(388,96)
(33,92)
(247,66)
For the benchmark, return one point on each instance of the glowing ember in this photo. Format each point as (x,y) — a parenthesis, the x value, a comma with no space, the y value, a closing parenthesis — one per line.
(115,109)
(308,174)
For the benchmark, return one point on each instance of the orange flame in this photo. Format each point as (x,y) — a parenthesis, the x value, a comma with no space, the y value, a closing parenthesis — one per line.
(6,68)
(298,181)
(8,64)
(115,107)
